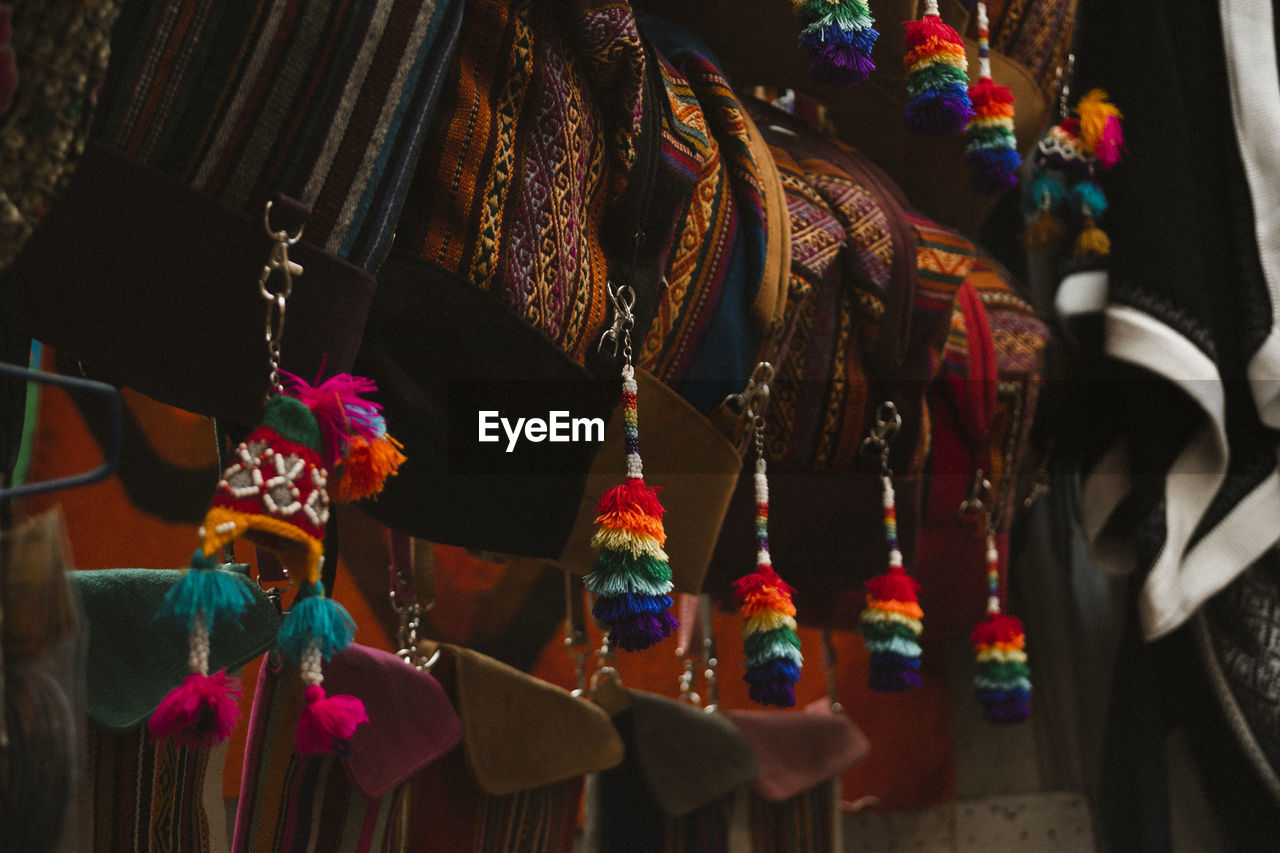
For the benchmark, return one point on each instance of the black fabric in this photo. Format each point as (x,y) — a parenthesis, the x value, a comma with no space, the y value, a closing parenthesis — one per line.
(441,351)
(151,284)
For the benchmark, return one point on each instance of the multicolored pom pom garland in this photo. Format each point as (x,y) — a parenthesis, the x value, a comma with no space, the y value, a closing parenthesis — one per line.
(839,35)
(631,578)
(1002,683)
(937,80)
(992,148)
(770,641)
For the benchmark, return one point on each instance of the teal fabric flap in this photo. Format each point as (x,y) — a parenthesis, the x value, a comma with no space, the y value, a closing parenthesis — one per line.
(134,660)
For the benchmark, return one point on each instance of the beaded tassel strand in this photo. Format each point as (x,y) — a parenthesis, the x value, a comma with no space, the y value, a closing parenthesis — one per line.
(992,148)
(770,641)
(1002,683)
(631,578)
(891,623)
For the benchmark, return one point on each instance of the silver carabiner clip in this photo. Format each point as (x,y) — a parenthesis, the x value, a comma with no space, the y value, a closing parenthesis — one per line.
(623,299)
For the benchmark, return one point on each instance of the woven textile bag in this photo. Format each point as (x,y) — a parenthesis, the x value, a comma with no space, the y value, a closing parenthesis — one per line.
(983,407)
(208,112)
(146,794)
(352,802)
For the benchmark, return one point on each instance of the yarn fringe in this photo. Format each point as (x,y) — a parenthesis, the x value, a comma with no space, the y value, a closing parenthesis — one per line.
(200,712)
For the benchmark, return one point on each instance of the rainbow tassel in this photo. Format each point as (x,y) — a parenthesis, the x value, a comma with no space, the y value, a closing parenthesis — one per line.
(937,82)
(770,641)
(839,35)
(631,578)
(1002,683)
(891,622)
(992,149)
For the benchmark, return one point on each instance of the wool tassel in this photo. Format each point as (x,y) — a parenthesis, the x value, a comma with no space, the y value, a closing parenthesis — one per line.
(992,148)
(839,35)
(770,641)
(326,723)
(1002,683)
(937,82)
(1100,128)
(1046,196)
(891,623)
(1092,242)
(631,578)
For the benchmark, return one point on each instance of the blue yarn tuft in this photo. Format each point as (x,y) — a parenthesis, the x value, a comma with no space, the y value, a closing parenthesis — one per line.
(613,608)
(891,659)
(993,169)
(1089,199)
(773,671)
(939,111)
(780,694)
(220,596)
(315,618)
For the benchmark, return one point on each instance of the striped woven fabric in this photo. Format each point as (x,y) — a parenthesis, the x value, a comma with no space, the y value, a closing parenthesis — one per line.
(537,128)
(701,341)
(291,803)
(149,796)
(1034,33)
(324,102)
(704,830)
(446,810)
(803,824)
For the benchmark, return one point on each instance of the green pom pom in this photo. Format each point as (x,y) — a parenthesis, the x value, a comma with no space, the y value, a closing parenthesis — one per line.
(293,420)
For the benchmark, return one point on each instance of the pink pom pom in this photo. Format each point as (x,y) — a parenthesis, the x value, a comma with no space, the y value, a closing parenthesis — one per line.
(632,495)
(328,722)
(340,408)
(894,585)
(1110,146)
(199,712)
(997,628)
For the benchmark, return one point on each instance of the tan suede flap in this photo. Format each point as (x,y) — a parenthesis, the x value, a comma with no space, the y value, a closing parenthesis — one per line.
(689,757)
(797,750)
(520,732)
(693,464)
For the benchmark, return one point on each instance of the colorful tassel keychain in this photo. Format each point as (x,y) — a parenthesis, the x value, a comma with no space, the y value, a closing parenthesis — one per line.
(275,494)
(1002,683)
(631,578)
(891,623)
(992,149)
(839,35)
(770,641)
(937,81)
(204,709)
(1102,137)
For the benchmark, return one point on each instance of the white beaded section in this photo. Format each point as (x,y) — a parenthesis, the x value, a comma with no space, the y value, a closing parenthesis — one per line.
(931,7)
(886,494)
(993,557)
(895,557)
(635,470)
(993,604)
(198,646)
(984,62)
(763,558)
(628,376)
(762,487)
(309,667)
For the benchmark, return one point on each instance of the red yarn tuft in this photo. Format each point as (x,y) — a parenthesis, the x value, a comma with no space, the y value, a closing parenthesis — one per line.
(894,585)
(328,722)
(996,628)
(634,495)
(754,583)
(986,93)
(930,26)
(200,712)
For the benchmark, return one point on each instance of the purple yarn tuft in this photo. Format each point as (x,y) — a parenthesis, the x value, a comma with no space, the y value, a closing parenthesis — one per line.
(1007,711)
(639,631)
(837,65)
(891,679)
(937,113)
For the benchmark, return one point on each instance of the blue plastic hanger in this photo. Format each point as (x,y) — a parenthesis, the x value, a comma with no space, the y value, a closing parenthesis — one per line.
(111,451)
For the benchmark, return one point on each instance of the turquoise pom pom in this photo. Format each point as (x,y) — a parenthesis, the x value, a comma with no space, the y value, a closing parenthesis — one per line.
(1089,199)
(220,596)
(315,619)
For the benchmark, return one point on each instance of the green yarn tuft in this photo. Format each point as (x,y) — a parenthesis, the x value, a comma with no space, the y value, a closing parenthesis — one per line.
(990,137)
(756,644)
(624,563)
(886,630)
(1003,670)
(293,420)
(934,77)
